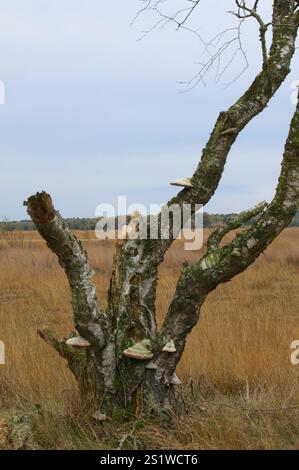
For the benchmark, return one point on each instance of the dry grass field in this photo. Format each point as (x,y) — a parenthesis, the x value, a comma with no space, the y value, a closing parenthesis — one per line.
(236,367)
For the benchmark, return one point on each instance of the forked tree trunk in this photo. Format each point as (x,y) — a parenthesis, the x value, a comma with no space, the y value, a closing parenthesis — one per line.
(124,385)
(120,385)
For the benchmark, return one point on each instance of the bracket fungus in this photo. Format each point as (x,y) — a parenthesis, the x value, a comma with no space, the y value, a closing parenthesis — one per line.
(184,182)
(151,365)
(77,342)
(169,347)
(139,351)
(174,380)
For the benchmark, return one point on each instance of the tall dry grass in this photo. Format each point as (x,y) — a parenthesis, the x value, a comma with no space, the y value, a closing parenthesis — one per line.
(236,362)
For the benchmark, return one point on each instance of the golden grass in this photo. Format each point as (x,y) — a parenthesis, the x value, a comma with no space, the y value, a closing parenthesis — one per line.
(238,356)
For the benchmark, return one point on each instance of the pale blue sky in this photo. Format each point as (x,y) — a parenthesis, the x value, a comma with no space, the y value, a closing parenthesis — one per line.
(92,113)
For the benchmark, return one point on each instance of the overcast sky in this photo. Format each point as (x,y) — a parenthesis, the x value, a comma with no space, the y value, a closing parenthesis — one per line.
(92,113)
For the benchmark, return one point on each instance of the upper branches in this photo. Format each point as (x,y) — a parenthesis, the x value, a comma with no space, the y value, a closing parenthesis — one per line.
(222,49)
(179,17)
(230,123)
(226,46)
(244,12)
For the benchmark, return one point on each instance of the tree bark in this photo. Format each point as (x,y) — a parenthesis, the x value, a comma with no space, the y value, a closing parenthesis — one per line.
(222,264)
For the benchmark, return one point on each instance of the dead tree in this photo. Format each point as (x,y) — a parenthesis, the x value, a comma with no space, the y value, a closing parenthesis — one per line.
(121,358)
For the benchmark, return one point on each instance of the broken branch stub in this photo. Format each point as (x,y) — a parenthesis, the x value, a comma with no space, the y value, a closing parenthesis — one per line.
(89,321)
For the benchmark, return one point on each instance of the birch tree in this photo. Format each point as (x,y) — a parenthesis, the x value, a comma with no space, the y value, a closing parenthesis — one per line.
(120,358)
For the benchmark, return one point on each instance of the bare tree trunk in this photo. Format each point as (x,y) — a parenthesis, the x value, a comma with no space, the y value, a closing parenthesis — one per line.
(124,384)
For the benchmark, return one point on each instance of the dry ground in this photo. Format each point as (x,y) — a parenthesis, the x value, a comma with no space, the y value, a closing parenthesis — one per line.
(236,366)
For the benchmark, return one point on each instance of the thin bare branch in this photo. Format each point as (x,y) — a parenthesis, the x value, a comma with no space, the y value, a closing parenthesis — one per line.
(215,48)
(245,12)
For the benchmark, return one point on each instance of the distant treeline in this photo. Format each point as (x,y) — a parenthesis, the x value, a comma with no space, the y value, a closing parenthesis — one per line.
(76,223)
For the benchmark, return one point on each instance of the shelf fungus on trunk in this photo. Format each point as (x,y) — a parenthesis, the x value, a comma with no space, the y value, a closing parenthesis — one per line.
(140,351)
(169,347)
(174,380)
(77,342)
(151,366)
(185,182)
